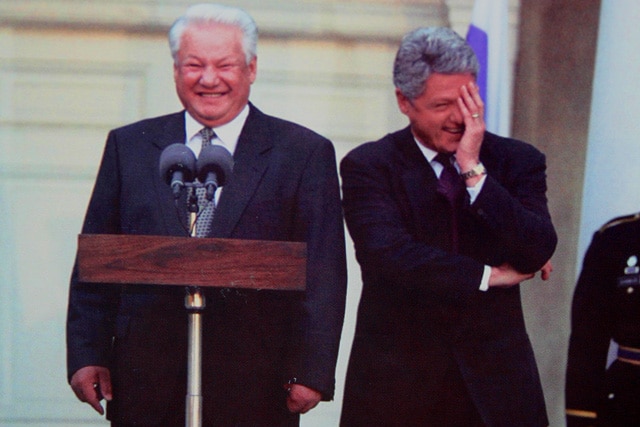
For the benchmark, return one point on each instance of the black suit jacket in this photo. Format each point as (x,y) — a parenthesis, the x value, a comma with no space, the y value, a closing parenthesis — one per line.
(284,186)
(606,307)
(423,324)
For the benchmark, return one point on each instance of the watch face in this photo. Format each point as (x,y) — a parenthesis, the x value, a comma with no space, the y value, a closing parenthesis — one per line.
(477,170)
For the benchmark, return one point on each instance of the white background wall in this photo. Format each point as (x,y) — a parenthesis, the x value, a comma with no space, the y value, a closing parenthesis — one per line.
(612,175)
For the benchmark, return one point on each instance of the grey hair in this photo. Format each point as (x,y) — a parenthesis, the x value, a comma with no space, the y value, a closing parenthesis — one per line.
(431,50)
(215,13)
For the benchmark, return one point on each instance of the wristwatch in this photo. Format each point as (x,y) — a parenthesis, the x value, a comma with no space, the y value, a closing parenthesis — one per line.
(478,169)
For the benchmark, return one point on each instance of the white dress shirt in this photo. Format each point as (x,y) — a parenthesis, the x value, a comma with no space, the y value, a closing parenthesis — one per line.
(227,135)
(430,155)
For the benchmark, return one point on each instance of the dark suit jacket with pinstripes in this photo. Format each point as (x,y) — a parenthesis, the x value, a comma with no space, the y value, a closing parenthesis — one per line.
(284,186)
(421,314)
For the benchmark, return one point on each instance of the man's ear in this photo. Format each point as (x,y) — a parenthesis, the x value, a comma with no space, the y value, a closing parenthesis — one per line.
(253,69)
(404,103)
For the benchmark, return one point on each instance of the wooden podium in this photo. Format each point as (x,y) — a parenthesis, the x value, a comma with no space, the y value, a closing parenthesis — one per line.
(192,263)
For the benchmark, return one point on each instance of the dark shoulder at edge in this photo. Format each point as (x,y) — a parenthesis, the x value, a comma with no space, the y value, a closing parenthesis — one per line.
(615,222)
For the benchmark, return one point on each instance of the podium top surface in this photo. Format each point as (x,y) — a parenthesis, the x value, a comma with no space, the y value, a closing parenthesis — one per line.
(190,261)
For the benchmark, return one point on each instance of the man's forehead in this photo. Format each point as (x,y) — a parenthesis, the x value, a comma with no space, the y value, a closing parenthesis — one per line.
(445,82)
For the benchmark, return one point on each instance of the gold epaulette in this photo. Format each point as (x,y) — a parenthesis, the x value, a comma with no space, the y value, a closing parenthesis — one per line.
(620,220)
(581,414)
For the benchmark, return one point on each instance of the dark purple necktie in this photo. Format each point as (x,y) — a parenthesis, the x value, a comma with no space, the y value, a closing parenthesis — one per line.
(451,186)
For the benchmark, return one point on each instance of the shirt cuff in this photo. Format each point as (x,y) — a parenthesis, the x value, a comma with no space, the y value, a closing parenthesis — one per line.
(475,190)
(484,283)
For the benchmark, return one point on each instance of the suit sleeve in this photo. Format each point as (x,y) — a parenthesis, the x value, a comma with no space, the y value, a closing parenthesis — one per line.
(591,332)
(515,211)
(91,307)
(385,245)
(320,215)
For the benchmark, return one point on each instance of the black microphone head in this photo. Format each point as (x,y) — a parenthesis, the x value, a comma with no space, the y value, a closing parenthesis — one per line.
(177,158)
(217,160)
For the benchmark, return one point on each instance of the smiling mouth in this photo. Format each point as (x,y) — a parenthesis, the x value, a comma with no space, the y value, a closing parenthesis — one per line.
(456,130)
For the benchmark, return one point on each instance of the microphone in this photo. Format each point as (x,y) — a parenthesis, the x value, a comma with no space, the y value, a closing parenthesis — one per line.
(177,166)
(214,166)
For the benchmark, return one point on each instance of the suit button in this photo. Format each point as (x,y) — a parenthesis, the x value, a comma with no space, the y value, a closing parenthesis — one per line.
(630,290)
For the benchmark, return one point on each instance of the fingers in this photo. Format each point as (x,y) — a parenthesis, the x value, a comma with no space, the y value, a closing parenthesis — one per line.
(89,392)
(302,399)
(545,271)
(506,276)
(94,401)
(471,103)
(471,113)
(300,407)
(104,382)
(91,384)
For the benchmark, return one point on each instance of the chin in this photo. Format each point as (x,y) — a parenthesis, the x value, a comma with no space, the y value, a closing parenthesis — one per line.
(452,146)
(211,115)
(448,147)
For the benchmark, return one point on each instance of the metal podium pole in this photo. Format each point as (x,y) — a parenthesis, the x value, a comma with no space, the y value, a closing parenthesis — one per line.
(195,303)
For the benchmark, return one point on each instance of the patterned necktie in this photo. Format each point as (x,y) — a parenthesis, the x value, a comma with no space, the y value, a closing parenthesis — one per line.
(450,185)
(206,207)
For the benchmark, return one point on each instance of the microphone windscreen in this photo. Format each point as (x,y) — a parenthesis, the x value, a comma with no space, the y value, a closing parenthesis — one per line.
(177,158)
(214,159)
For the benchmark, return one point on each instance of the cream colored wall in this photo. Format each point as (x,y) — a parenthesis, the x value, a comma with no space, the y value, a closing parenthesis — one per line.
(61,92)
(70,71)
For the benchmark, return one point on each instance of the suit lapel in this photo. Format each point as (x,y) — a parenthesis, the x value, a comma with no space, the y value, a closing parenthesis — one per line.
(171,130)
(426,207)
(418,178)
(251,160)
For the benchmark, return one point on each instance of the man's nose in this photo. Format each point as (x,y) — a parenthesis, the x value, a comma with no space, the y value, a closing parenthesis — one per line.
(209,76)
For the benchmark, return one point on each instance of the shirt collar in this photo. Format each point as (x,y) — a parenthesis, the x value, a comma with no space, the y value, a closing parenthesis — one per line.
(428,153)
(227,134)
